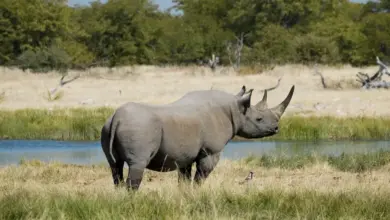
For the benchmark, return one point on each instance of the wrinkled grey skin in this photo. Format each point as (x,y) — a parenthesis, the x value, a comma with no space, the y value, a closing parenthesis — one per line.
(194,128)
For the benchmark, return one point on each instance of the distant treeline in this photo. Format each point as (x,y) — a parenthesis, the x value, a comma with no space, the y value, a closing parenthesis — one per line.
(49,34)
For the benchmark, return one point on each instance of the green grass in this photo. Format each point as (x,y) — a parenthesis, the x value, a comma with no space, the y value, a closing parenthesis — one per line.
(354,162)
(267,204)
(85,124)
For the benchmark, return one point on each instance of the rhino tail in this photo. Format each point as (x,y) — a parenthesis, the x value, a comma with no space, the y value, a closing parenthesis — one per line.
(113,126)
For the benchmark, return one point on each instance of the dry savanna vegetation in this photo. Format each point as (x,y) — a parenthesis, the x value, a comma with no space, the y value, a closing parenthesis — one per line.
(302,187)
(36,106)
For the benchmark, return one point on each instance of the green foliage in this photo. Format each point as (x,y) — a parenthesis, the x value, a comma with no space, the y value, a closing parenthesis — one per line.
(44,35)
(275,46)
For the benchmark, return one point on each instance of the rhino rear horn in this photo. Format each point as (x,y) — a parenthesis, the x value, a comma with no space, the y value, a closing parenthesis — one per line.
(242,91)
(263,103)
(279,109)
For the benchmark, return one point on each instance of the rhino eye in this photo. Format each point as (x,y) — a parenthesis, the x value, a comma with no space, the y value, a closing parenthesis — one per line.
(259,119)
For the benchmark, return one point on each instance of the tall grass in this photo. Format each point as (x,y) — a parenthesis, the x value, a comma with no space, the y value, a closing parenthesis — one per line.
(356,162)
(86,124)
(267,204)
(57,124)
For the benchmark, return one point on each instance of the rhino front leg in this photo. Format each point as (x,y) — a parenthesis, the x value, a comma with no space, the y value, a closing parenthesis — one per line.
(134,178)
(184,174)
(204,166)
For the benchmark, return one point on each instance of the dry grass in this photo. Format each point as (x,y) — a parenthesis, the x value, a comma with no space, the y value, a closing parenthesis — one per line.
(160,85)
(58,191)
(2,96)
(317,176)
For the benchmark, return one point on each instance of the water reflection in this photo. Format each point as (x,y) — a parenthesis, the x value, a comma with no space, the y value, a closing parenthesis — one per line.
(12,151)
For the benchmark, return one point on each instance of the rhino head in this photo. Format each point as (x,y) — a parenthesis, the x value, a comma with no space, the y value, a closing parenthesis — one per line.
(260,121)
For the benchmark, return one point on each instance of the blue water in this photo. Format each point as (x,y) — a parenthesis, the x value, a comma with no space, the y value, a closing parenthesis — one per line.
(12,151)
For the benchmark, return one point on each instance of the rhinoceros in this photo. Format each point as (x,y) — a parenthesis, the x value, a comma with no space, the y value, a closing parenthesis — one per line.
(194,128)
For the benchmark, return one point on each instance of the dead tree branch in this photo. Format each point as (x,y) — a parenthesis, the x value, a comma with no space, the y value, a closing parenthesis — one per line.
(322,77)
(383,67)
(274,87)
(375,81)
(64,82)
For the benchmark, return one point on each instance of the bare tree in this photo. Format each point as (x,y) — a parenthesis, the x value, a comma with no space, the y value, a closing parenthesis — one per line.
(236,51)
(213,62)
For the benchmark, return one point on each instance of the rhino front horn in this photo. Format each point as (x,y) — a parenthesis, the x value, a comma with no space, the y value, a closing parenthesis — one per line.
(279,109)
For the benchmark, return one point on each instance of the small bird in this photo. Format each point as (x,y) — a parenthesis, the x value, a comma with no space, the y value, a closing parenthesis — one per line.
(249,177)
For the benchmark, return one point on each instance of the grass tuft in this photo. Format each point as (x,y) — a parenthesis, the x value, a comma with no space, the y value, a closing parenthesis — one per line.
(54,97)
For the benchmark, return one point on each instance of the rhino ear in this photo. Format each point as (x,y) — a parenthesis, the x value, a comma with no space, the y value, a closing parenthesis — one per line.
(242,92)
(245,101)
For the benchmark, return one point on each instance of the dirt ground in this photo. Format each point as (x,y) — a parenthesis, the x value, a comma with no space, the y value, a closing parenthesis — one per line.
(160,85)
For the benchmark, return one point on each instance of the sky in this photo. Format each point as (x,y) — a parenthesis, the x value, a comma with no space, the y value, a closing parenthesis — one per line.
(164,4)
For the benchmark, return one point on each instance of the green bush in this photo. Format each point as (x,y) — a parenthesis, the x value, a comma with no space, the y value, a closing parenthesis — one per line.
(310,48)
(45,60)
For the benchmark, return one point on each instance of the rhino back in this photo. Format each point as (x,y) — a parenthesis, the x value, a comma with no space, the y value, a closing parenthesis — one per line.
(199,119)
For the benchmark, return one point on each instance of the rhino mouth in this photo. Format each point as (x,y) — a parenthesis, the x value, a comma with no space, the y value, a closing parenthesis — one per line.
(270,133)
(260,135)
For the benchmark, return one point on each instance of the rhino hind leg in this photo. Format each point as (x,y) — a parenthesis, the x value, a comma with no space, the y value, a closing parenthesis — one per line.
(116,168)
(117,165)
(117,172)
(204,166)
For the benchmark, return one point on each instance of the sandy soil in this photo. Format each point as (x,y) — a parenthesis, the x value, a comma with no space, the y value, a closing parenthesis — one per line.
(160,85)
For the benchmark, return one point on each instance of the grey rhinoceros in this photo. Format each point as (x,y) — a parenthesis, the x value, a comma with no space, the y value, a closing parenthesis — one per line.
(195,128)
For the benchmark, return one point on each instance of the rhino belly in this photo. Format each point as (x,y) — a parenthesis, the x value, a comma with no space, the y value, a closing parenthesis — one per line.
(163,162)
